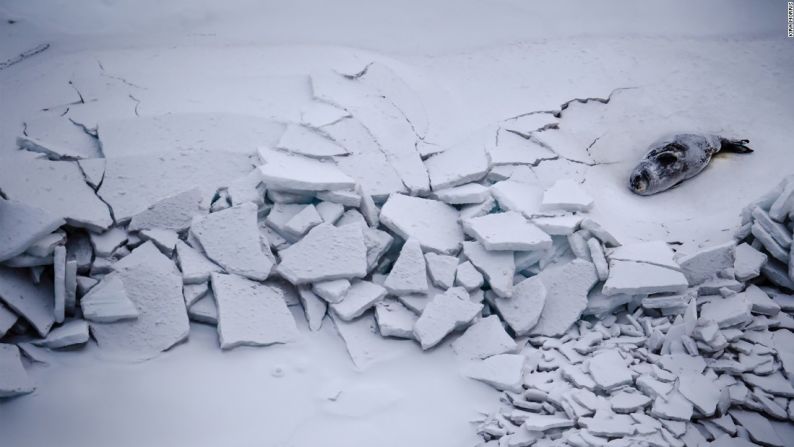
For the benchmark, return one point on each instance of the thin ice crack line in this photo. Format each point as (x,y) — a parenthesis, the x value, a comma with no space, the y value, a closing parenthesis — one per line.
(104,73)
(24,55)
(558,112)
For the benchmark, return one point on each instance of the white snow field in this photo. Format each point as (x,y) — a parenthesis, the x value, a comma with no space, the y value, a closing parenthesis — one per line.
(359,223)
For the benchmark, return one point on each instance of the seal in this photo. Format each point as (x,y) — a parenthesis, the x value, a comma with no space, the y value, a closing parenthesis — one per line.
(672,160)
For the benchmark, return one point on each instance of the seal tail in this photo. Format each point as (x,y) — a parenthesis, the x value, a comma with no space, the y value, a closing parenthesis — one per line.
(737,146)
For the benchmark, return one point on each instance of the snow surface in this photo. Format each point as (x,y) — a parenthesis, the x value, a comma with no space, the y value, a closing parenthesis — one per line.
(720,66)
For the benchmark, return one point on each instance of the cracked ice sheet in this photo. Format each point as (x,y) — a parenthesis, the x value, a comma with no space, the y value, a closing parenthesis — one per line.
(384,120)
(155,177)
(182,131)
(57,187)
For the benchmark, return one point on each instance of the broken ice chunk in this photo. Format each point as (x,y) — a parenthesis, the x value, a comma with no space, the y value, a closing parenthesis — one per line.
(326,252)
(483,339)
(106,243)
(332,291)
(248,188)
(280,214)
(628,402)
(502,371)
(302,222)
(409,273)
(545,422)
(703,265)
(193,292)
(523,309)
(728,311)
(441,269)
(464,194)
(774,383)
(303,140)
(508,231)
(468,277)
(597,257)
(567,287)
(761,302)
(155,178)
(196,268)
(568,195)
(780,234)
(73,332)
(462,163)
(313,307)
(231,238)
(46,245)
(443,314)
(250,313)
(204,310)
(748,262)
(352,217)
(359,298)
(518,196)
(478,209)
(578,245)
(784,203)
(701,391)
(562,225)
(59,286)
(14,381)
(108,302)
(598,231)
(319,114)
(767,242)
(7,319)
(651,252)
(498,267)
(153,284)
(175,212)
(639,278)
(293,172)
(290,197)
(378,243)
(672,406)
(609,370)
(758,427)
(434,224)
(33,302)
(394,319)
(776,272)
(22,226)
(56,187)
(165,240)
(330,212)
(512,148)
(363,342)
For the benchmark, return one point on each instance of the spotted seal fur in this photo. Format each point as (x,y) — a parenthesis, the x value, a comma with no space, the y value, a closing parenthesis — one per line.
(672,160)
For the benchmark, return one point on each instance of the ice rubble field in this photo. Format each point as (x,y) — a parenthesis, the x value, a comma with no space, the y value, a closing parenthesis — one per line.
(400,224)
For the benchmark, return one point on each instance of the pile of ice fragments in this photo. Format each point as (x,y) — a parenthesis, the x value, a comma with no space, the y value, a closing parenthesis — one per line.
(677,350)
(353,216)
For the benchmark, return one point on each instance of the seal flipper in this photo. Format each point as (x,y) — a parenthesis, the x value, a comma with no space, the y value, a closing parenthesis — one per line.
(738,146)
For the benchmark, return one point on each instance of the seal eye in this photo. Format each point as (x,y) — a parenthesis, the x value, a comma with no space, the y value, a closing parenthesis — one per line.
(666,158)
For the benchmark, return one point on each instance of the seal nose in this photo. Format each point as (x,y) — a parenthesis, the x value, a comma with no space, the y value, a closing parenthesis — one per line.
(639,181)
